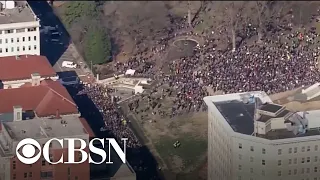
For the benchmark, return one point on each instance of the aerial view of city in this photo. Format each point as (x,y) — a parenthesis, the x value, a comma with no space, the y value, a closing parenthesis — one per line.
(159,90)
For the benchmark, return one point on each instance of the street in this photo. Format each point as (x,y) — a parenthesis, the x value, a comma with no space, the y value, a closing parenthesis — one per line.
(55,43)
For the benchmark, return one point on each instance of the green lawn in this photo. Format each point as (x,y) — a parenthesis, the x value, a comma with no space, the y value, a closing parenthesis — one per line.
(191,151)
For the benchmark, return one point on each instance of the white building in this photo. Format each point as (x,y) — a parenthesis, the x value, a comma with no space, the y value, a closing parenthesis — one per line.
(19,29)
(252,139)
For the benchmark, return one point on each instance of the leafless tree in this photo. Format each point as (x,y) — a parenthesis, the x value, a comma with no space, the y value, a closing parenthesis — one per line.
(262,14)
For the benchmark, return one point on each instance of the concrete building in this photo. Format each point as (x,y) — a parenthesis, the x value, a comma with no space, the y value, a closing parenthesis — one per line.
(41,130)
(16,71)
(19,29)
(250,138)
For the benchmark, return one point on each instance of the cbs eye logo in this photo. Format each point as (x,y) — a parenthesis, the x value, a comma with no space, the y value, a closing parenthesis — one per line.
(28,151)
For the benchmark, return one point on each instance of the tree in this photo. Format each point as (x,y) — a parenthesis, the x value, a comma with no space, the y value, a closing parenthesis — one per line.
(77,9)
(97,45)
(262,10)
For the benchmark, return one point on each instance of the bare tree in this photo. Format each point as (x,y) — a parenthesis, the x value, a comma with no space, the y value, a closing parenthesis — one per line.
(234,10)
(262,10)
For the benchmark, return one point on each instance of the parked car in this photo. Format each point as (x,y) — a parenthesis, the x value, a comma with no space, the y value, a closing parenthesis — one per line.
(69,64)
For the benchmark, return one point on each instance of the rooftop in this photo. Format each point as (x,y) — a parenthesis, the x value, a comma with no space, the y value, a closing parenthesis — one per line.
(241,115)
(22,13)
(13,68)
(45,128)
(44,99)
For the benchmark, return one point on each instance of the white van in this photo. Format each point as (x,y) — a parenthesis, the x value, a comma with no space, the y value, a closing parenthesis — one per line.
(69,64)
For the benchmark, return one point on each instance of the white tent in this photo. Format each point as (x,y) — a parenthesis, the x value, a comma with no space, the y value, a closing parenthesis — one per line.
(130,72)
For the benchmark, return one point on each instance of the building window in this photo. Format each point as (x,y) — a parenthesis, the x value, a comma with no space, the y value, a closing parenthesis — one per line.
(31,29)
(6,41)
(12,49)
(30,174)
(303,149)
(251,148)
(308,148)
(290,150)
(12,41)
(6,49)
(13,164)
(18,40)
(47,174)
(308,170)
(316,148)
(23,48)
(25,175)
(14,176)
(239,168)
(263,151)
(316,159)
(43,162)
(279,173)
(35,38)
(240,146)
(29,38)
(35,47)
(263,162)
(8,31)
(295,171)
(251,159)
(290,161)
(29,47)
(279,162)
(20,30)
(240,156)
(251,170)
(315,169)
(295,150)
(289,172)
(263,173)
(302,160)
(295,161)
(308,159)
(0,50)
(0,41)
(23,39)
(302,171)
(18,49)
(279,151)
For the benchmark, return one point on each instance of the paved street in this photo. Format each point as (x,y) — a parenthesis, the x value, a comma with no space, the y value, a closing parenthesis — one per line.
(57,48)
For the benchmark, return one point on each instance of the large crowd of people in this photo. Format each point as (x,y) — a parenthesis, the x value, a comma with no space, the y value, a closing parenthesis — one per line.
(115,121)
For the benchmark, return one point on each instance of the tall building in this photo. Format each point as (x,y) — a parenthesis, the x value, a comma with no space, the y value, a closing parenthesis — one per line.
(42,130)
(251,138)
(19,29)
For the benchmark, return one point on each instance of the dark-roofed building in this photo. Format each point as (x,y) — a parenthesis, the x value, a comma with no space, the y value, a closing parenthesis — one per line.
(247,132)
(16,71)
(43,100)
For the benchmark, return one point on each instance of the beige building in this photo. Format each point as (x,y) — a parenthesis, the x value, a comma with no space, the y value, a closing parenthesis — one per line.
(250,138)
(19,29)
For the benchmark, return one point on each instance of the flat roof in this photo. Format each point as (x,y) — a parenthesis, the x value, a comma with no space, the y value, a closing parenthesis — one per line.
(21,13)
(239,115)
(45,128)
(270,107)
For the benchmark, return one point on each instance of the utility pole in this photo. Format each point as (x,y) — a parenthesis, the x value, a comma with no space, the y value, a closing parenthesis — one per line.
(189,14)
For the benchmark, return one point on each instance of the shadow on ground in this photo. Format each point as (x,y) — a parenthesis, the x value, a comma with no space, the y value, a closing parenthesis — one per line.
(53,50)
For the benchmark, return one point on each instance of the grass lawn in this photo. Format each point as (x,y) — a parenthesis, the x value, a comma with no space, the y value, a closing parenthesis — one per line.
(188,155)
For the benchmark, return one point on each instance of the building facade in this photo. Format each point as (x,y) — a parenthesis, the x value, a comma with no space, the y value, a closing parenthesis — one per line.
(246,144)
(19,31)
(42,130)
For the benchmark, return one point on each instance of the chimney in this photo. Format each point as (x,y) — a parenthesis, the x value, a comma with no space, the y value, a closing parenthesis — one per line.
(58,114)
(17,113)
(97,77)
(17,57)
(35,79)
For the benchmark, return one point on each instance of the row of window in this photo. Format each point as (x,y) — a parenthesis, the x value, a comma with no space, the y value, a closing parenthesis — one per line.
(290,150)
(290,161)
(6,41)
(5,50)
(10,31)
(290,172)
